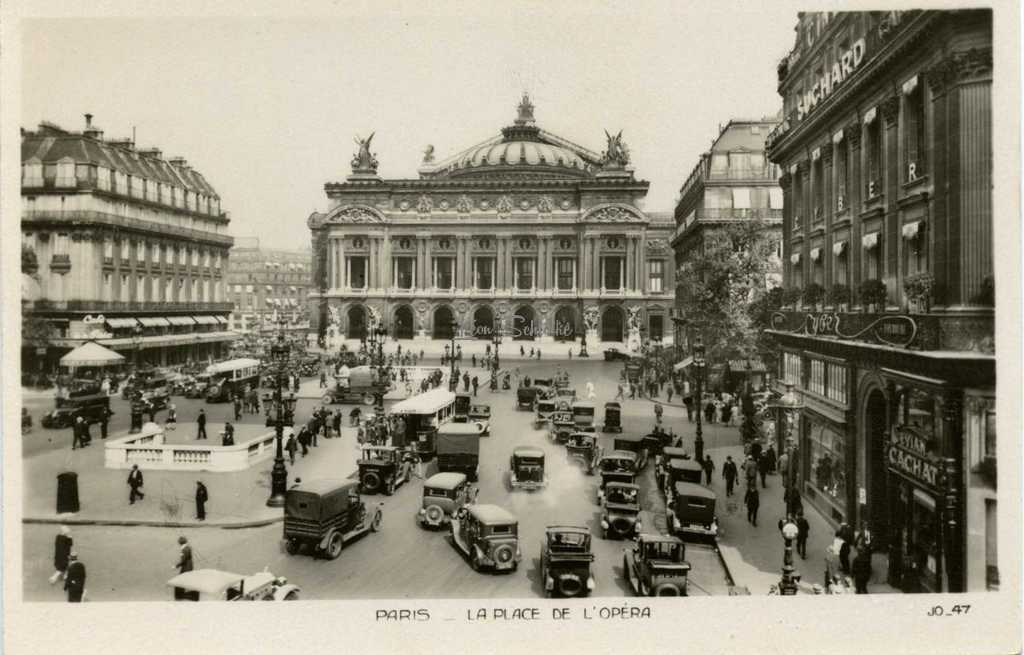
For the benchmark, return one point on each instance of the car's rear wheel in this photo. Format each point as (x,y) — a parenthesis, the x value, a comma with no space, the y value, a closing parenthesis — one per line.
(666,590)
(504,554)
(371,482)
(367,399)
(334,546)
(434,515)
(327,399)
(570,585)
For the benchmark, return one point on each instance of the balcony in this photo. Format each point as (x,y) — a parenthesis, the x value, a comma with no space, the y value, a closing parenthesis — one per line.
(729,213)
(60,264)
(613,293)
(564,293)
(524,293)
(769,173)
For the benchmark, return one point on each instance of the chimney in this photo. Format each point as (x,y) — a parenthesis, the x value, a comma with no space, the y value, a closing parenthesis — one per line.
(91,130)
(151,152)
(180,162)
(127,144)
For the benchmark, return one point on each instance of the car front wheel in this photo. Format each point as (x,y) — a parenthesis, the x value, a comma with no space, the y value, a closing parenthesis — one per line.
(335,545)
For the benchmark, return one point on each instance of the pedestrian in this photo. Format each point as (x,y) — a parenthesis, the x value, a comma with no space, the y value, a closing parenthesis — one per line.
(476,385)
(750,471)
(74,581)
(658,412)
(709,469)
(474,360)
(304,439)
(76,433)
(184,565)
(730,473)
(619,394)
(698,448)
(522,352)
(762,468)
(753,502)
(201,424)
(465,382)
(61,553)
(632,390)
(669,394)
(783,466)
(538,354)
(792,499)
(755,449)
(202,495)
(237,402)
(863,539)
(803,531)
(229,434)
(151,410)
(570,353)
(688,403)
(323,378)
(531,353)
(844,551)
(336,424)
(135,482)
(770,456)
(862,571)
(291,446)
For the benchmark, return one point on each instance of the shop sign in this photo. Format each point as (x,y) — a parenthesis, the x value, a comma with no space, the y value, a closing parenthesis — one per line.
(841,70)
(908,454)
(893,330)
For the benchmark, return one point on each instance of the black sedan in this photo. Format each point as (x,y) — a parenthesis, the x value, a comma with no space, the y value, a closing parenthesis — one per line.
(614,354)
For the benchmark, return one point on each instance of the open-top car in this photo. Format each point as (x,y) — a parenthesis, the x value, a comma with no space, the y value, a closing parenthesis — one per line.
(636,445)
(211,584)
(691,510)
(656,566)
(91,408)
(382,469)
(489,536)
(481,413)
(612,417)
(621,517)
(565,561)
(324,514)
(616,466)
(583,447)
(615,355)
(444,496)
(527,468)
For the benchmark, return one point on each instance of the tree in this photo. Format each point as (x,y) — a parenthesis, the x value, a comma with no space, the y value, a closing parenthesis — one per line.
(724,295)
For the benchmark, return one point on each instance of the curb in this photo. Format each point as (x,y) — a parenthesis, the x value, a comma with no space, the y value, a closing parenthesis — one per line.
(154,524)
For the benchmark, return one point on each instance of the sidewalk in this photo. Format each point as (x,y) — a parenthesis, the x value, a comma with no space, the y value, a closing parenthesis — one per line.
(509,349)
(754,554)
(237,500)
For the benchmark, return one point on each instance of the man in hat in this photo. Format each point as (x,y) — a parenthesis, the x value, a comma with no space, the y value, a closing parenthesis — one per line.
(201,497)
(74,583)
(201,424)
(61,553)
(184,565)
(135,483)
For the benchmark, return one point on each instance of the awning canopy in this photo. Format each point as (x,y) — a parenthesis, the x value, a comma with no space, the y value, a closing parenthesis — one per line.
(269,288)
(205,320)
(121,323)
(815,254)
(794,258)
(154,321)
(181,320)
(911,230)
(838,248)
(222,320)
(869,241)
(740,365)
(91,354)
(683,364)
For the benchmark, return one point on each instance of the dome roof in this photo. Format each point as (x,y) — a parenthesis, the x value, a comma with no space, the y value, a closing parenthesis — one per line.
(521,149)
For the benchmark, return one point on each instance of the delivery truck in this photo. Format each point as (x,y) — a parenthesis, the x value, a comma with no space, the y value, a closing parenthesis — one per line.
(458,449)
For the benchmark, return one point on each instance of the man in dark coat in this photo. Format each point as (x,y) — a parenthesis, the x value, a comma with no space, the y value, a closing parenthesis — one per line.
(201,497)
(730,474)
(104,422)
(61,553)
(291,446)
(688,402)
(803,531)
(476,384)
(770,456)
(465,382)
(762,468)
(304,439)
(862,571)
(709,469)
(238,407)
(753,502)
(229,434)
(184,565)
(76,432)
(336,423)
(74,584)
(135,483)
(201,424)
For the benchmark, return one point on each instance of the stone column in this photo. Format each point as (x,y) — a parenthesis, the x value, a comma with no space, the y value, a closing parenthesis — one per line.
(342,281)
(596,259)
(386,268)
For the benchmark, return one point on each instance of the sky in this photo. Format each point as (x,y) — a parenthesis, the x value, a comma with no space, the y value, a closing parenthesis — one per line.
(267,108)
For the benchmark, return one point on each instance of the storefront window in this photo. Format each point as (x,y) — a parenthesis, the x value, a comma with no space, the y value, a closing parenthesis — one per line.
(916,409)
(924,552)
(827,459)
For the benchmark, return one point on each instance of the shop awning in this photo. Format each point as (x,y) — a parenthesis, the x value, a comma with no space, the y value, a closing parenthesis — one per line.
(222,320)
(269,288)
(869,241)
(911,230)
(740,366)
(181,320)
(815,254)
(838,248)
(205,320)
(91,354)
(683,364)
(794,258)
(154,321)
(120,323)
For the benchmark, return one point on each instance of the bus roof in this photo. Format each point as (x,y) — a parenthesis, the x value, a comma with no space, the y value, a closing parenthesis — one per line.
(231,365)
(424,403)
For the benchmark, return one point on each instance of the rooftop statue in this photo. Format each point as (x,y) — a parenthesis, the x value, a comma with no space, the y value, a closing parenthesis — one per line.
(428,154)
(617,154)
(364,161)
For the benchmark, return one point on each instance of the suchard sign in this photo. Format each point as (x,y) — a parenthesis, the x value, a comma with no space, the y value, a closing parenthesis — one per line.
(825,84)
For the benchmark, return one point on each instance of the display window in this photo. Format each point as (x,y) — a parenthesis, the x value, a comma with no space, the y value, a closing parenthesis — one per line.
(826,458)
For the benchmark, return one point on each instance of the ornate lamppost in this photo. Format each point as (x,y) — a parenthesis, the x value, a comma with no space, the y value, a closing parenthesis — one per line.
(787,410)
(377,334)
(137,344)
(496,364)
(787,586)
(699,366)
(284,414)
(453,384)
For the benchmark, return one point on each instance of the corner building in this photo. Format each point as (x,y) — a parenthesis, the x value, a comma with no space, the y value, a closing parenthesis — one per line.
(886,150)
(526,233)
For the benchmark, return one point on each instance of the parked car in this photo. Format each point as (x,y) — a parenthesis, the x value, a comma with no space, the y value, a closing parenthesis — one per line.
(615,466)
(196,388)
(621,517)
(322,515)
(656,440)
(691,510)
(634,444)
(212,584)
(91,408)
(360,385)
(489,536)
(383,469)
(583,447)
(680,470)
(444,496)
(664,460)
(612,417)
(656,566)
(527,468)
(565,561)
(615,355)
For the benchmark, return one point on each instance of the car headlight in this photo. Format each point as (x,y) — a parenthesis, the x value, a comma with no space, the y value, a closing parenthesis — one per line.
(638,526)
(423,512)
(604,523)
(590,583)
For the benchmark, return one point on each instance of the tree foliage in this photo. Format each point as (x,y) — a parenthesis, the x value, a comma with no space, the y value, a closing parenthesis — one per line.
(36,332)
(724,292)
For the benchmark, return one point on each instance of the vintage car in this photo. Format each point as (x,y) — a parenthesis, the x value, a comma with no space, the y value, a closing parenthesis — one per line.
(656,566)
(560,421)
(545,408)
(582,447)
(527,396)
(691,510)
(211,584)
(527,468)
(615,355)
(621,517)
(634,444)
(462,403)
(91,408)
(612,417)
(360,385)
(662,462)
(489,536)
(196,387)
(458,449)
(680,470)
(480,413)
(444,496)
(615,466)
(565,561)
(656,440)
(568,393)
(583,414)
(383,469)
(322,515)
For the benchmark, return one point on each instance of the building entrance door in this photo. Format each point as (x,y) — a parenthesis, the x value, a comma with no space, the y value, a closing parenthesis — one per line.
(443,323)
(565,324)
(483,323)
(523,324)
(356,322)
(879,500)
(403,322)
(611,325)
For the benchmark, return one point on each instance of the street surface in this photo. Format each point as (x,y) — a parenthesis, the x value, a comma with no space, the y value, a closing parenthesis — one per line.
(403,560)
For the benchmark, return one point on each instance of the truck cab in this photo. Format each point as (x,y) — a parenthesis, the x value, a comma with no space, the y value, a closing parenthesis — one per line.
(321,515)
(458,449)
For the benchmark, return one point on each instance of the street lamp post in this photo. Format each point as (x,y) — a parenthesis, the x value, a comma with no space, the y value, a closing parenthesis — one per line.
(699,365)
(453,384)
(284,413)
(377,335)
(496,342)
(137,344)
(787,586)
(788,409)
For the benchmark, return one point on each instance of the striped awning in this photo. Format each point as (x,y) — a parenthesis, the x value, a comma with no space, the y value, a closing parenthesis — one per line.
(120,323)
(206,320)
(181,320)
(911,230)
(222,320)
(154,321)
(869,241)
